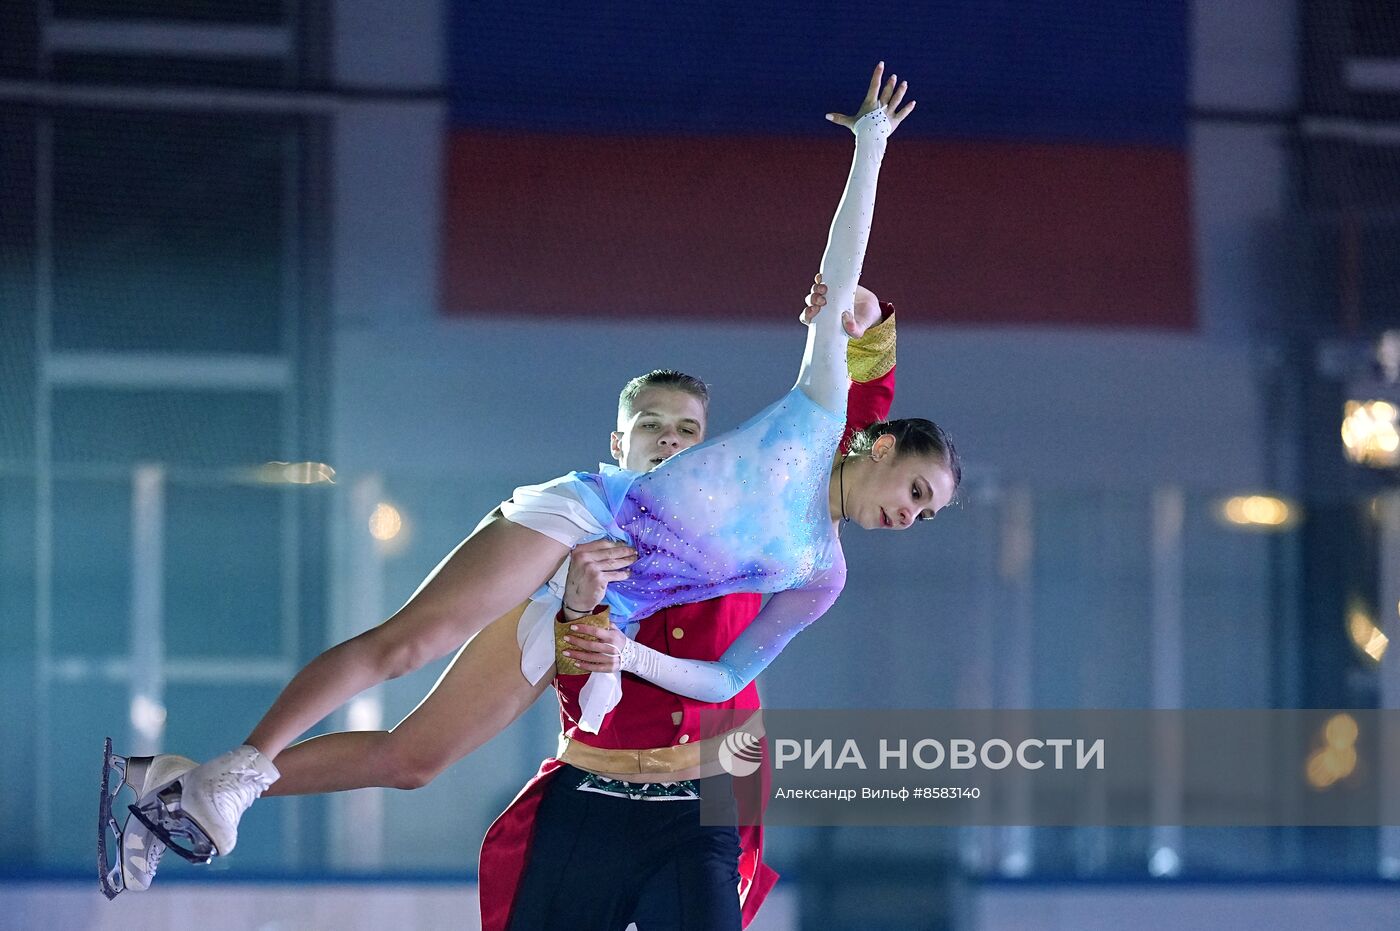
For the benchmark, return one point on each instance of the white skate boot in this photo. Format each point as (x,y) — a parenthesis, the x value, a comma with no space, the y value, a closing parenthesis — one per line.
(138,850)
(205,803)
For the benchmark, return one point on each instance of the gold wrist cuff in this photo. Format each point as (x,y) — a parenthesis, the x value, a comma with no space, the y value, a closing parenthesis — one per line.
(872,355)
(564,665)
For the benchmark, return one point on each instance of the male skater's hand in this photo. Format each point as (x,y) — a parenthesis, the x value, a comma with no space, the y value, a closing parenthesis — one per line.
(865,315)
(591,567)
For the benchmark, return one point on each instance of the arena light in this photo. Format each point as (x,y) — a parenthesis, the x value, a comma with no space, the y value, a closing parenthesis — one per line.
(365,713)
(1258,512)
(1336,759)
(1341,731)
(385,523)
(1365,633)
(1165,863)
(1371,418)
(296,473)
(1371,433)
(147,717)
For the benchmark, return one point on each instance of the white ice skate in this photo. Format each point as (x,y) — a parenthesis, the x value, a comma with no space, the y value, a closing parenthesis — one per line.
(206,803)
(138,849)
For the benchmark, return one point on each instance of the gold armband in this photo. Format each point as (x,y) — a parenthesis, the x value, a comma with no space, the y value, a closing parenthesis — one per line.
(564,665)
(872,355)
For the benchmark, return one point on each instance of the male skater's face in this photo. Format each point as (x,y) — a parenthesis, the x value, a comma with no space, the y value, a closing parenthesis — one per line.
(664,421)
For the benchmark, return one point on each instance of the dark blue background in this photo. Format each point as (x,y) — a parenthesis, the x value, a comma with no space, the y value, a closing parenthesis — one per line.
(1094,70)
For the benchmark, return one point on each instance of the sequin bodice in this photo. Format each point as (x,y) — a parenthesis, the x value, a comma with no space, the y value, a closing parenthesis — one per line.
(744,512)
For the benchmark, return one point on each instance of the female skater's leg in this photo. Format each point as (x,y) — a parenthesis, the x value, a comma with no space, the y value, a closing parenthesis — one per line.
(489,573)
(493,570)
(477,697)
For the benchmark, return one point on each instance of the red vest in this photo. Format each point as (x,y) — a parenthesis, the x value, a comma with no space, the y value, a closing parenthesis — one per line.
(648,715)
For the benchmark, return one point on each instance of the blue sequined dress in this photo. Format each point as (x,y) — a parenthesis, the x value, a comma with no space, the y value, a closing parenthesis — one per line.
(745,512)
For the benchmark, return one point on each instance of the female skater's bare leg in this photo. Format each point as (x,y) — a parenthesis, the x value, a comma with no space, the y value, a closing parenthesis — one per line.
(477,697)
(489,573)
(496,568)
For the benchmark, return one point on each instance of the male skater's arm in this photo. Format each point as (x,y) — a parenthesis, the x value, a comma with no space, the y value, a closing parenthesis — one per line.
(870,360)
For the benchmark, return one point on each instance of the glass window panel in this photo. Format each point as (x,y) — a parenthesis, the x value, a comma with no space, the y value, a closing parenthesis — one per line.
(192,428)
(1236,851)
(166,69)
(16,566)
(168,232)
(82,713)
(19,38)
(1092,572)
(17,640)
(91,568)
(223,557)
(245,12)
(17,385)
(432,524)
(1227,618)
(17,236)
(1375,29)
(1339,852)
(1380,272)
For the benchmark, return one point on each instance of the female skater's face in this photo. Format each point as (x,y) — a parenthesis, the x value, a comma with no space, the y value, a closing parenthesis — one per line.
(894,491)
(664,421)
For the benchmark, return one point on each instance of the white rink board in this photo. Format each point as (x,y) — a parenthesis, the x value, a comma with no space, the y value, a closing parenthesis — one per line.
(243,906)
(1187,907)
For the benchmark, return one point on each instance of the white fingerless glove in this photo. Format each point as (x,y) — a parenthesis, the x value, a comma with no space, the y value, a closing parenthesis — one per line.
(693,678)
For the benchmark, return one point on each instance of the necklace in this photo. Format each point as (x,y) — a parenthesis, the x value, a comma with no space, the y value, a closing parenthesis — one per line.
(841,479)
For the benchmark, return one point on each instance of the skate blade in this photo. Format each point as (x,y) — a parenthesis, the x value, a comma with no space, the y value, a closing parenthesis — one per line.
(109,875)
(193,843)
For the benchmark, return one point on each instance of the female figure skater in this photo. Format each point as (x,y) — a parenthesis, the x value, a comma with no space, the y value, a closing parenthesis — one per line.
(752,510)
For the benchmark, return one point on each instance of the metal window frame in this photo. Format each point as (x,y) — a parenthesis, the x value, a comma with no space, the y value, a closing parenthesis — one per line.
(147,670)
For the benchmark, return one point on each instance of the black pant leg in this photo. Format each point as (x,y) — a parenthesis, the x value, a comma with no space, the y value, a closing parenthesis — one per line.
(695,885)
(583,870)
(696,888)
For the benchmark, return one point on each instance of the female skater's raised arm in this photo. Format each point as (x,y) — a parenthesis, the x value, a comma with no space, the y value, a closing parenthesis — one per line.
(823,378)
(823,374)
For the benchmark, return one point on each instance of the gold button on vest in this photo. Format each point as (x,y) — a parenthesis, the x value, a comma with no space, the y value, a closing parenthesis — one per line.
(677,633)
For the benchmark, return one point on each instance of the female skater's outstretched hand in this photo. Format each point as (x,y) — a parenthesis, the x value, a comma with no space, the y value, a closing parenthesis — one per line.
(889,97)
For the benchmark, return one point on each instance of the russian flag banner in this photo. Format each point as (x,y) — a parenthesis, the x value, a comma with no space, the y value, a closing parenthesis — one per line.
(669,161)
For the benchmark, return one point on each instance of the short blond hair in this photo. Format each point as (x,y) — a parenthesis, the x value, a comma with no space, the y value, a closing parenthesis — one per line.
(660,378)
